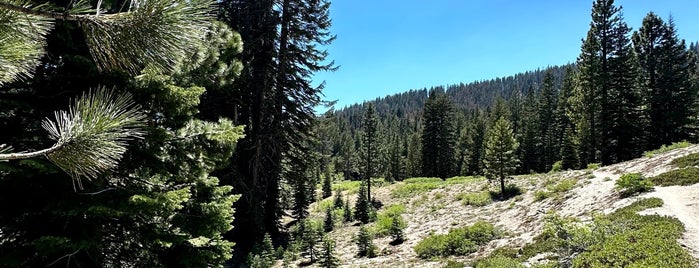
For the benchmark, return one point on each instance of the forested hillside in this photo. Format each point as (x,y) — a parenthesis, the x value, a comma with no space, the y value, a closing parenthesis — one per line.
(183,133)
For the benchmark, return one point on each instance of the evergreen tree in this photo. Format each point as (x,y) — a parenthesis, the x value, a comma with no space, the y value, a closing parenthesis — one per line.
(569,156)
(438,137)
(327,185)
(547,145)
(396,230)
(362,207)
(414,168)
(529,136)
(275,99)
(666,74)
(365,244)
(328,258)
(370,146)
(329,222)
(337,203)
(347,212)
(607,98)
(500,159)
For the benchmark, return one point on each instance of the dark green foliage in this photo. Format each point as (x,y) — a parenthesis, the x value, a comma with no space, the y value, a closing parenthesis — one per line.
(500,159)
(459,241)
(263,255)
(362,207)
(329,222)
(666,77)
(308,234)
(338,203)
(327,186)
(690,160)
(328,258)
(569,153)
(275,99)
(438,136)
(453,264)
(396,230)
(370,146)
(547,132)
(365,244)
(682,176)
(632,183)
(347,212)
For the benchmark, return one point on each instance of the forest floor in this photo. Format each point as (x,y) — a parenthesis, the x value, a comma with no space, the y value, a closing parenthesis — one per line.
(579,193)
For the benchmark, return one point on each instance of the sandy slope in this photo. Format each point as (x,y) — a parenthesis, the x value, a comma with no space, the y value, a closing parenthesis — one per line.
(523,219)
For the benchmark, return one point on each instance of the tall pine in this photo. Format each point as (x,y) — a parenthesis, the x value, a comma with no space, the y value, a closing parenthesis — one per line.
(438,136)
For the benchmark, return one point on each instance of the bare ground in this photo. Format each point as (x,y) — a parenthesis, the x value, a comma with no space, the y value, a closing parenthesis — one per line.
(522,219)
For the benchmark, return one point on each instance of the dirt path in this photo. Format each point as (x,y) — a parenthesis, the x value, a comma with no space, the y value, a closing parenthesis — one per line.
(681,202)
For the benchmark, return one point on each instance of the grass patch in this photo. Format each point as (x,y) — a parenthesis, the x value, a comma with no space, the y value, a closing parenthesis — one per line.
(683,176)
(351,187)
(414,186)
(463,180)
(477,199)
(667,148)
(593,166)
(459,241)
(555,189)
(690,160)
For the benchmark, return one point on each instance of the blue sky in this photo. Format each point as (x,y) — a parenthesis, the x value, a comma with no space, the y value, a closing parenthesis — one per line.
(390,46)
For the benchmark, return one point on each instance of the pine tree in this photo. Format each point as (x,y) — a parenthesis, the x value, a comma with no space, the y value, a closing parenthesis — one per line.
(529,136)
(329,222)
(347,212)
(275,99)
(500,159)
(569,155)
(370,146)
(607,99)
(547,121)
(337,203)
(362,207)
(666,74)
(414,168)
(328,258)
(396,230)
(365,244)
(438,137)
(327,185)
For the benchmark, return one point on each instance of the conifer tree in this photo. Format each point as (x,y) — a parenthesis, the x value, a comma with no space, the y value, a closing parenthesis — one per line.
(329,222)
(547,146)
(396,230)
(370,143)
(347,212)
(666,78)
(569,155)
(337,203)
(327,185)
(365,244)
(328,258)
(500,159)
(362,207)
(438,136)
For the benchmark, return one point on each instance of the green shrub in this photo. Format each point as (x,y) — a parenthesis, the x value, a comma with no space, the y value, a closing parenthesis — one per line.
(690,160)
(563,186)
(498,261)
(422,180)
(557,166)
(351,187)
(541,195)
(683,176)
(666,148)
(385,218)
(365,244)
(477,199)
(511,190)
(453,264)
(593,166)
(463,180)
(632,183)
(459,241)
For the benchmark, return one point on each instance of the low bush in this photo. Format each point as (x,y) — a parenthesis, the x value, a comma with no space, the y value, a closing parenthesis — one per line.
(477,199)
(632,183)
(453,264)
(385,218)
(683,176)
(541,195)
(459,241)
(498,261)
(557,166)
(593,166)
(563,186)
(691,160)
(666,148)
